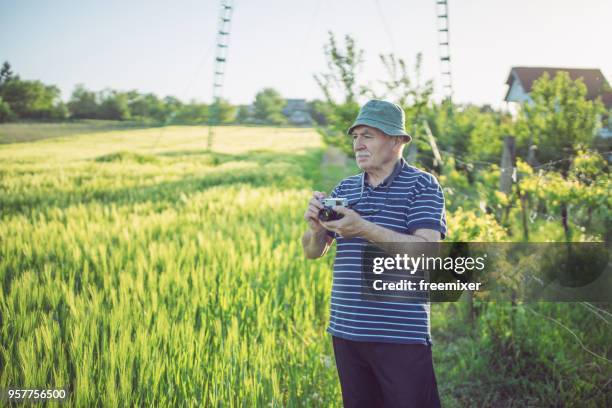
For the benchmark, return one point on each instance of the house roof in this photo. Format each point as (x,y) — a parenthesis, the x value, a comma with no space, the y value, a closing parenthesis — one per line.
(293,104)
(595,81)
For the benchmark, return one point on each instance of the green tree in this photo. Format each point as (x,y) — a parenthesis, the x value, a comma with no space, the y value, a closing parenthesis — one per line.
(6,114)
(268,107)
(340,81)
(341,88)
(83,104)
(6,72)
(152,107)
(343,63)
(222,112)
(560,119)
(319,111)
(243,115)
(172,107)
(193,112)
(31,99)
(406,88)
(137,105)
(59,111)
(114,105)
(469,132)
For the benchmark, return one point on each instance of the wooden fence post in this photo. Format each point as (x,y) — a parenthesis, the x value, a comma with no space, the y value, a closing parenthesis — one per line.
(434,148)
(524,200)
(507,173)
(507,165)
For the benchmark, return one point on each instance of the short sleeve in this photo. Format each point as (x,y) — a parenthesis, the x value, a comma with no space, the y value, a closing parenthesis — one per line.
(336,192)
(427,209)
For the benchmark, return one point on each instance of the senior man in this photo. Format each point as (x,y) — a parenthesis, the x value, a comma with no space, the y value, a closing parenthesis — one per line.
(382,349)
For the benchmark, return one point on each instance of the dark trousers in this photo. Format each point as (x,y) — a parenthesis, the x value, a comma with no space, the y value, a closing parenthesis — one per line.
(376,374)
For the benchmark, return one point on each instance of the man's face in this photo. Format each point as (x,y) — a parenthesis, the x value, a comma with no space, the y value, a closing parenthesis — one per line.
(372,148)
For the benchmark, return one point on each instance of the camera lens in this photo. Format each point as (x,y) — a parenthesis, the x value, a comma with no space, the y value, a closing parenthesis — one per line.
(325,214)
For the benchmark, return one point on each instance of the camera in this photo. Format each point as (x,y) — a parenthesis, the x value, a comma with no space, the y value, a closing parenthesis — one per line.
(327,214)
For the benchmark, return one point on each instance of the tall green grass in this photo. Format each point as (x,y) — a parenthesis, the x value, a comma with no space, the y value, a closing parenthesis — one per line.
(32,131)
(136,268)
(174,276)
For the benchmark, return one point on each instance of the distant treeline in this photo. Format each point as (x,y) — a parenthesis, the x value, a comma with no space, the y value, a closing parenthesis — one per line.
(33,100)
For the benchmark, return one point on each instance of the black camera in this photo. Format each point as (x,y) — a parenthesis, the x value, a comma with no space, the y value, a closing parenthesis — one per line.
(327,214)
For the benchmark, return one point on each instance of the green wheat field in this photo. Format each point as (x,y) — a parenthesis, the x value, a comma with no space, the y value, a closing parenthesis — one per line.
(139,269)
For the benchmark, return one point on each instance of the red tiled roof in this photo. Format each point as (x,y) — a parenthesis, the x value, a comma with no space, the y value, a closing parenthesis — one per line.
(596,83)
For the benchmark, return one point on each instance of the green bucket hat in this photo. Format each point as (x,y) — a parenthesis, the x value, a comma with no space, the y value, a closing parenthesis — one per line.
(385,116)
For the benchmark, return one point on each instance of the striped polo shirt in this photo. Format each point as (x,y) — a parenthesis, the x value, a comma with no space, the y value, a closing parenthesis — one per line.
(407,200)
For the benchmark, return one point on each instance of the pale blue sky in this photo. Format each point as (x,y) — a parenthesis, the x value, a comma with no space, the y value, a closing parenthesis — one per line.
(165,46)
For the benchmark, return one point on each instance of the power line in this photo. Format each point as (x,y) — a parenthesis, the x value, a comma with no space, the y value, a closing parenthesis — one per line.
(223,35)
(597,311)
(580,343)
(543,170)
(183,94)
(385,25)
(444,48)
(543,167)
(198,69)
(311,26)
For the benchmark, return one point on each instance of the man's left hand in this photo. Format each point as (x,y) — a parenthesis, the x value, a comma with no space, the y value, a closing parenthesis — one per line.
(349,226)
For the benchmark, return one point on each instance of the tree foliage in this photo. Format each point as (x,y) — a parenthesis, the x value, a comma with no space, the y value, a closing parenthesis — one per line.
(6,72)
(21,99)
(343,63)
(340,87)
(114,105)
(560,120)
(406,88)
(6,113)
(268,107)
(469,132)
(83,104)
(343,91)
(28,99)
(222,112)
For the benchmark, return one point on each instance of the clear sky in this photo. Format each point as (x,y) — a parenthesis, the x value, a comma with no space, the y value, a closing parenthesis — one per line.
(166,47)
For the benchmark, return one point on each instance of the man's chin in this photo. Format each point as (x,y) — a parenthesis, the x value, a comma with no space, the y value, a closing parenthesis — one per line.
(362,163)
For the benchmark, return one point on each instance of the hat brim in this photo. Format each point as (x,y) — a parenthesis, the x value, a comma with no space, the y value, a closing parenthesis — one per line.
(383,127)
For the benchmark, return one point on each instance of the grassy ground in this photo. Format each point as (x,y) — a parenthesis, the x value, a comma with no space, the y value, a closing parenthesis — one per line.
(136,268)
(32,131)
(141,269)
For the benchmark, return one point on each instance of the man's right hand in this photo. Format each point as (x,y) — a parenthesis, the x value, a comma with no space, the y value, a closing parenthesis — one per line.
(312,212)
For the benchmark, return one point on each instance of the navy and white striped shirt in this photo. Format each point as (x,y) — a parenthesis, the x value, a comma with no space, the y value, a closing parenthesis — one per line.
(407,200)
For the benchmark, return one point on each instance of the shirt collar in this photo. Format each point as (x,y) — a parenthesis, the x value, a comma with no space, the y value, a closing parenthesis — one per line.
(396,170)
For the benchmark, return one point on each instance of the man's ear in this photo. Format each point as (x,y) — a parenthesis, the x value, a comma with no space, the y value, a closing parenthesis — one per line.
(400,140)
